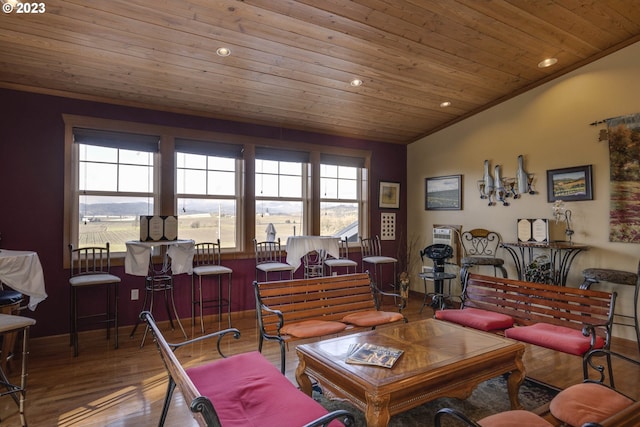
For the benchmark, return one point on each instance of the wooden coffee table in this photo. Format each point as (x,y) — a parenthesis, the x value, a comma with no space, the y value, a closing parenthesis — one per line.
(440,360)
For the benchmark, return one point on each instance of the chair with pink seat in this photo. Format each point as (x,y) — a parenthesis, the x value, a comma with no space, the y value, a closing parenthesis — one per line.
(595,402)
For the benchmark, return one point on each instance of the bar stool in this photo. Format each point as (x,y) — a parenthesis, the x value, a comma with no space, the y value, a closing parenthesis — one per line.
(618,277)
(206,262)
(269,259)
(438,253)
(372,255)
(16,324)
(159,281)
(10,302)
(314,263)
(89,268)
(342,262)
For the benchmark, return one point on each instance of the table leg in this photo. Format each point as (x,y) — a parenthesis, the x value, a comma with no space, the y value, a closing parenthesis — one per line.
(23,376)
(565,258)
(518,261)
(377,411)
(515,380)
(301,376)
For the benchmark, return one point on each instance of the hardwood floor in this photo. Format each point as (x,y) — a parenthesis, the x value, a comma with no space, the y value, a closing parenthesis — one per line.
(126,387)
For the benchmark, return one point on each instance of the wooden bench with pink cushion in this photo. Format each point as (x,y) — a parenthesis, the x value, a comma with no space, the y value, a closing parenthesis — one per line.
(290,310)
(241,390)
(562,318)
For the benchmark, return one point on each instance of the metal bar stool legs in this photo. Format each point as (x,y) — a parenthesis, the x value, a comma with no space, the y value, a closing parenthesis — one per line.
(220,301)
(154,285)
(14,324)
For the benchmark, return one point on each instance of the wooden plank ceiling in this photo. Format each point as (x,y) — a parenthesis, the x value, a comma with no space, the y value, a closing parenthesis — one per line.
(292,61)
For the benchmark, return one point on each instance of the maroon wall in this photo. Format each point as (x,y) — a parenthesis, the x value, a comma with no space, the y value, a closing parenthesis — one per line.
(32,181)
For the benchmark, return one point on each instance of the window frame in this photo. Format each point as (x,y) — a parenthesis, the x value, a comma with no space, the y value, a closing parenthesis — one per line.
(360,174)
(237,197)
(303,199)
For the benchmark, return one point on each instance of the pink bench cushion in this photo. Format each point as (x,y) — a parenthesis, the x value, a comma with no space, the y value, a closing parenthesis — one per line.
(587,402)
(312,328)
(476,318)
(514,418)
(372,318)
(247,390)
(555,337)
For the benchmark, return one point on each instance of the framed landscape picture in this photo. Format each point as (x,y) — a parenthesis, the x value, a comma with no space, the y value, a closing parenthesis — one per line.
(569,184)
(389,196)
(443,193)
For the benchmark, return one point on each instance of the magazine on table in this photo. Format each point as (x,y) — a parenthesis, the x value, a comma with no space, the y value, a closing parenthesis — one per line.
(371,354)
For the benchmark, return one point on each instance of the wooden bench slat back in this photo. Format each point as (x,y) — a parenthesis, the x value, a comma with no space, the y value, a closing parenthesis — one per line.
(326,298)
(189,391)
(559,305)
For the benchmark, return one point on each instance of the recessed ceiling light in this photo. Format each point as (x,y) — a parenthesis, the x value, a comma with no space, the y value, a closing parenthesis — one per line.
(356,82)
(547,62)
(445,104)
(223,51)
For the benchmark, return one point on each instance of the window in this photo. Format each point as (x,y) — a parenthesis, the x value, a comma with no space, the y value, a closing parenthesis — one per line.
(339,201)
(208,189)
(279,198)
(117,171)
(341,198)
(115,185)
(283,195)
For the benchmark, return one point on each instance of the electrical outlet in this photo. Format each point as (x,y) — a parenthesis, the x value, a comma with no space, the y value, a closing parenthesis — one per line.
(427,269)
(134,294)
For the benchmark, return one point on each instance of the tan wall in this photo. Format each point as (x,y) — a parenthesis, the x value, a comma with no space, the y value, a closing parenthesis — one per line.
(550,127)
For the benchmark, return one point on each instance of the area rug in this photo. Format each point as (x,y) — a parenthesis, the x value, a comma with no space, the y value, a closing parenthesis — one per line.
(490,397)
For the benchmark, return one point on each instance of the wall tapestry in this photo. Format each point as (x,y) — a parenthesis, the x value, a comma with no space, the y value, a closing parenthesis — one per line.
(624,158)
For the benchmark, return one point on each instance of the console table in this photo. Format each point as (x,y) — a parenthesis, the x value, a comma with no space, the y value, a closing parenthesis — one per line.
(561,256)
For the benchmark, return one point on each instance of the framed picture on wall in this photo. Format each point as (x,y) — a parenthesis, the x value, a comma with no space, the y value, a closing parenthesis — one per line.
(389,196)
(443,193)
(569,184)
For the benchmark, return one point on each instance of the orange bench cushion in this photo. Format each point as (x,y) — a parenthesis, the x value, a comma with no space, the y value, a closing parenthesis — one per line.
(476,318)
(554,337)
(514,418)
(247,390)
(372,318)
(312,328)
(587,402)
